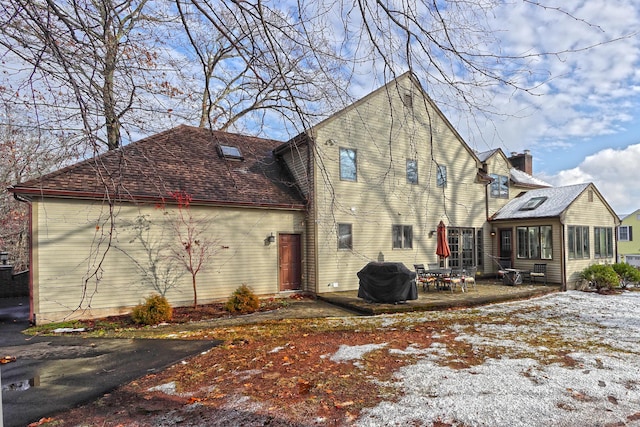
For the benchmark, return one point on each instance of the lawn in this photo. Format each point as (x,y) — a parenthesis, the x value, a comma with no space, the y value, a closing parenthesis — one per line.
(568,359)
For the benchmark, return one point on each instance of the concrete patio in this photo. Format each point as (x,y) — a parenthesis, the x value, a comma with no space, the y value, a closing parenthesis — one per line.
(485,292)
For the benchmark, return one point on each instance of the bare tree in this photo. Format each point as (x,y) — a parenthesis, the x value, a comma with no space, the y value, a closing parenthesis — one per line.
(195,248)
(25,152)
(98,70)
(85,60)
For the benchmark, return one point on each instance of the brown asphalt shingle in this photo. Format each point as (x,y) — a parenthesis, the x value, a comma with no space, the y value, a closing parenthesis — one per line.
(185,159)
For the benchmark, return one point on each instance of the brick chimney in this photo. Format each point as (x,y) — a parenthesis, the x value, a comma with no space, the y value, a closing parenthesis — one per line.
(522,161)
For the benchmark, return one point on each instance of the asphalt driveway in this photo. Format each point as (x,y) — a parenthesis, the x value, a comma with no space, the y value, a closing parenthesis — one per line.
(52,374)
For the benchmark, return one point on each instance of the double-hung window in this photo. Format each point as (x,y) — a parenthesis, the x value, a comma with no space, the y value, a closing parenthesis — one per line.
(624,233)
(499,186)
(412,171)
(345,236)
(402,236)
(441,176)
(348,164)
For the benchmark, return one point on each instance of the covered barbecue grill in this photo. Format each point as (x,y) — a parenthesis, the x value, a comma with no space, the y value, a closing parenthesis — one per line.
(387,282)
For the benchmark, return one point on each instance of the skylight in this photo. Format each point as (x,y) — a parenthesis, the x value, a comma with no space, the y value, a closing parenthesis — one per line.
(230,152)
(533,203)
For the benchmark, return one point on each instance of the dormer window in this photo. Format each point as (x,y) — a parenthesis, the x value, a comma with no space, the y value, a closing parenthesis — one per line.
(230,152)
(533,203)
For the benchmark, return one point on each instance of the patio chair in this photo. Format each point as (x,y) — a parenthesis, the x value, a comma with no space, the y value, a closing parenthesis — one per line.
(422,277)
(469,278)
(453,279)
(539,272)
(504,264)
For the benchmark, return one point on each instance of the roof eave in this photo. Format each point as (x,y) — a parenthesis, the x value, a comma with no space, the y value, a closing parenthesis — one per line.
(32,193)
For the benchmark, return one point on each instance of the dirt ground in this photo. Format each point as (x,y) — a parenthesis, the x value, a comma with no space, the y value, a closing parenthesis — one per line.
(271,370)
(277,374)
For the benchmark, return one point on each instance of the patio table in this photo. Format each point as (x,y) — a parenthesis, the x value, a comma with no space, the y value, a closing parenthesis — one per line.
(512,276)
(439,273)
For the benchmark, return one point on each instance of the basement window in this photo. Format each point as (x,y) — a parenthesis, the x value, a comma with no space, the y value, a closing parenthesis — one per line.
(230,152)
(533,203)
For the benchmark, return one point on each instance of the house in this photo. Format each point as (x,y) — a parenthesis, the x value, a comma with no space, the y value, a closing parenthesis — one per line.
(103,230)
(566,228)
(369,183)
(628,246)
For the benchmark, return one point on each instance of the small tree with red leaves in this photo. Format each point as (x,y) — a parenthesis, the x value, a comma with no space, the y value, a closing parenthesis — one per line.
(196,248)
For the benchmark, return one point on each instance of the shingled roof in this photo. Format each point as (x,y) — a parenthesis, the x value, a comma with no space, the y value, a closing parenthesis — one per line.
(554,201)
(185,159)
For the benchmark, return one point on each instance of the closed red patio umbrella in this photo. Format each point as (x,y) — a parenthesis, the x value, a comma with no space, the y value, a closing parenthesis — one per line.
(442,248)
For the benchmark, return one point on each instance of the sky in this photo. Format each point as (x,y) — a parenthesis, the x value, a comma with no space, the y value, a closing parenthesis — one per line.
(581,120)
(583,123)
(581,117)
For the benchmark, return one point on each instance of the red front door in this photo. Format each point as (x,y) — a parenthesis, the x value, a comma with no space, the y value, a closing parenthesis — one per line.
(290,261)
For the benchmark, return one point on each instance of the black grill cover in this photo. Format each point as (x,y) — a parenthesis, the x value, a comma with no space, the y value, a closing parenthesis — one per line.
(387,282)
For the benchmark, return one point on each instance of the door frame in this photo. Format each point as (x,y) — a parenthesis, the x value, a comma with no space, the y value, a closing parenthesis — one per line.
(297,250)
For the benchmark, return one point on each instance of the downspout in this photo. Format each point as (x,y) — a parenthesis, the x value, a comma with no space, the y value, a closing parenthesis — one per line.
(492,241)
(313,227)
(563,269)
(32,316)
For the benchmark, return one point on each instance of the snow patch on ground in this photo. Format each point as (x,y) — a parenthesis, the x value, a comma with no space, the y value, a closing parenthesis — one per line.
(354,352)
(601,386)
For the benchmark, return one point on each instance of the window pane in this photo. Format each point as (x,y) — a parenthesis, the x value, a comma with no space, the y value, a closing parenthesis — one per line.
(586,252)
(572,242)
(408,236)
(534,242)
(579,242)
(500,186)
(231,152)
(623,233)
(412,171)
(348,170)
(397,236)
(522,242)
(441,176)
(546,238)
(504,187)
(479,248)
(345,239)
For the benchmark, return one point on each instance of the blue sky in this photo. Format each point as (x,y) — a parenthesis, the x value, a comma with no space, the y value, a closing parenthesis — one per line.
(581,118)
(583,124)
(581,121)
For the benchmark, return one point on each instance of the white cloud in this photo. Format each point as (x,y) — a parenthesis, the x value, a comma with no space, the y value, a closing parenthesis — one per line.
(613,171)
(589,93)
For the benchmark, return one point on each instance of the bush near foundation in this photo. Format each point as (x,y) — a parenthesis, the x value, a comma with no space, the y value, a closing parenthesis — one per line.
(605,277)
(243,300)
(629,275)
(156,309)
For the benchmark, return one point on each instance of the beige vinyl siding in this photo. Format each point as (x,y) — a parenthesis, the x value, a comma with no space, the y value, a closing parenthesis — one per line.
(84,274)
(592,214)
(498,165)
(296,159)
(381,196)
(554,265)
